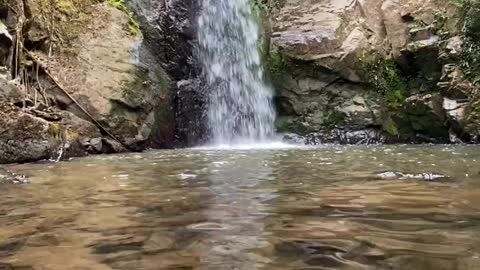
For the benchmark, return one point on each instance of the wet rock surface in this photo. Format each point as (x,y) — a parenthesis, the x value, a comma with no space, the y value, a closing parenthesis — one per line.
(30,135)
(341,136)
(324,63)
(170,37)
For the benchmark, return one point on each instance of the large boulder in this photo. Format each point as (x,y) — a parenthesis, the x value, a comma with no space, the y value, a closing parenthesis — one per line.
(25,137)
(31,135)
(105,74)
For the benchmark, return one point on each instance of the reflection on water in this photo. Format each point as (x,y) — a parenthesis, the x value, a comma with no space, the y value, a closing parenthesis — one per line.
(324,208)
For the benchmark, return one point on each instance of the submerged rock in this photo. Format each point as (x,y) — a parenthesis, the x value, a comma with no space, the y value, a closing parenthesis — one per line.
(7,176)
(339,136)
(391,175)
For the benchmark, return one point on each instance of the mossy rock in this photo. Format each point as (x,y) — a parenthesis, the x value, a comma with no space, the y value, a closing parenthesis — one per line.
(398,126)
(472,120)
(289,124)
(418,116)
(266,6)
(472,20)
(335,119)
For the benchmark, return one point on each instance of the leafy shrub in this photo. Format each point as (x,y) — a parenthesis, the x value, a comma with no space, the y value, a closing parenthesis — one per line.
(385,78)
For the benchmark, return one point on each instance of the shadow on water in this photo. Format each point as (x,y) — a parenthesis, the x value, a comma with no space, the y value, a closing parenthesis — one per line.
(325,208)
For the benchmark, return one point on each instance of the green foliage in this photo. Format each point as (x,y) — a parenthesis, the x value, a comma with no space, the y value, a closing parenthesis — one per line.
(334,119)
(133,24)
(470,60)
(461,3)
(472,21)
(385,78)
(261,6)
(470,55)
(276,65)
(390,126)
(473,116)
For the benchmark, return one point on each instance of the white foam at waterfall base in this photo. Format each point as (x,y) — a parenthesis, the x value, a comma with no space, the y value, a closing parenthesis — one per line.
(269,145)
(240,108)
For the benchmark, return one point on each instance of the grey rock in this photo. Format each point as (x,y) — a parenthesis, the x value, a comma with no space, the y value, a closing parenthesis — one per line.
(169,34)
(339,136)
(25,137)
(7,176)
(9,90)
(454,46)
(6,42)
(389,175)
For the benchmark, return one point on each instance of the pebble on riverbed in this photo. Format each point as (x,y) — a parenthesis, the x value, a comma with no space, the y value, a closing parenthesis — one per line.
(389,175)
(10,177)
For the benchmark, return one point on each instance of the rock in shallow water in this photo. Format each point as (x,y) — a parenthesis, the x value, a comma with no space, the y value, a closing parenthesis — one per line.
(10,177)
(339,136)
(389,175)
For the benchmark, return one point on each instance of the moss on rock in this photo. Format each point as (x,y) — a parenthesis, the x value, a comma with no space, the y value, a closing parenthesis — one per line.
(266,5)
(385,78)
(133,24)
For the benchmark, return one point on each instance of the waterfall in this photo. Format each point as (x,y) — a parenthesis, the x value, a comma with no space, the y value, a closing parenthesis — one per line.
(240,109)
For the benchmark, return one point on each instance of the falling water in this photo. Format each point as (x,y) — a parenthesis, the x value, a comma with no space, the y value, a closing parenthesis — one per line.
(240,103)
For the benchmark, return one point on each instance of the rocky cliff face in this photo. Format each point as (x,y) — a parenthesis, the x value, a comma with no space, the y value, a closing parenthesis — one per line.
(170,34)
(78,79)
(371,71)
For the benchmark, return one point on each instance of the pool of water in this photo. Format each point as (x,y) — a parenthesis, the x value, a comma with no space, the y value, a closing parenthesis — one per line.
(315,208)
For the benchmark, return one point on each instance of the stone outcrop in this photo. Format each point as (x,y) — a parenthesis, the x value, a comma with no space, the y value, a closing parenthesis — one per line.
(335,34)
(170,36)
(29,136)
(343,67)
(93,86)
(108,77)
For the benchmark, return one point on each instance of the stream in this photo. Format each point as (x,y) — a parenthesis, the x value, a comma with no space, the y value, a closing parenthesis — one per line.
(332,207)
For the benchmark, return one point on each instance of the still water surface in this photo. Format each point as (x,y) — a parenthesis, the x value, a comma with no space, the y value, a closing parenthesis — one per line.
(323,208)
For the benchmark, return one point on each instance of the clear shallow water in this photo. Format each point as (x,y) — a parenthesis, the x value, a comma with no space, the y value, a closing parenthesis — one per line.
(322,208)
